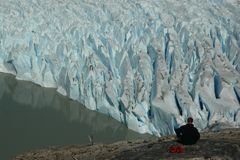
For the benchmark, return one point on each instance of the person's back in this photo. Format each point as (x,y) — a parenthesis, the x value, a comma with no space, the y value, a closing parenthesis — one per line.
(188,134)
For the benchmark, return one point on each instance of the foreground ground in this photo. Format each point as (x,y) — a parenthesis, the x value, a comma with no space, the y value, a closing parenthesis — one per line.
(212,145)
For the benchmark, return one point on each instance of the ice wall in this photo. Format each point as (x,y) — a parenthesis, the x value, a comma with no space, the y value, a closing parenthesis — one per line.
(149,64)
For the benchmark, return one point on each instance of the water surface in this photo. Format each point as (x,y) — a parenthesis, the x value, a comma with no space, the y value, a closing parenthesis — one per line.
(32,117)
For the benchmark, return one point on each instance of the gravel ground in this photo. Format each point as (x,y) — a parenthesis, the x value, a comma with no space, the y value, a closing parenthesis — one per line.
(223,145)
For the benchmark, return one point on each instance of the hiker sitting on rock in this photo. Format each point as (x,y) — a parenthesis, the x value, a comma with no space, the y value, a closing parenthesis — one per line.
(187,134)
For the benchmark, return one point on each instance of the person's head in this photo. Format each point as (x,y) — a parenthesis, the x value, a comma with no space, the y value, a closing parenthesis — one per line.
(190,120)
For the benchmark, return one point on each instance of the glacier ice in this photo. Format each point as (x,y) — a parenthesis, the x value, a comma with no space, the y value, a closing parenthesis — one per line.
(149,64)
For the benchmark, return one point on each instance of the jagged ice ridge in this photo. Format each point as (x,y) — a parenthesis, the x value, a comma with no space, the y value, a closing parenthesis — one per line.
(147,63)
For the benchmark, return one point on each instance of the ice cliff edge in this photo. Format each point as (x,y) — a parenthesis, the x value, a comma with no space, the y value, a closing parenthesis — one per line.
(147,63)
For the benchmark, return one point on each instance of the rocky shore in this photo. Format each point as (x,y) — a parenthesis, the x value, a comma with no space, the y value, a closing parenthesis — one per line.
(224,144)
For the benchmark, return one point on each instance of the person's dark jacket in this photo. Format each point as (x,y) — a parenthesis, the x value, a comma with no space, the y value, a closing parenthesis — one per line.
(187,134)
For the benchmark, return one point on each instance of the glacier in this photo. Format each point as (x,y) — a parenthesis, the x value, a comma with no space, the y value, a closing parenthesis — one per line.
(148,63)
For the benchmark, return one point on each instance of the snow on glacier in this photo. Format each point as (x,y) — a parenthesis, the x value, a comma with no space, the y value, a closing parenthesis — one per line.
(148,63)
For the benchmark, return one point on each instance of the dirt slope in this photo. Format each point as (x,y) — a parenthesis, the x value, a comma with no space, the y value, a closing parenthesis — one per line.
(223,145)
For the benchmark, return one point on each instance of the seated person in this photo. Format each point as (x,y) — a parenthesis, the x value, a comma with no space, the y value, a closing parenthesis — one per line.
(187,134)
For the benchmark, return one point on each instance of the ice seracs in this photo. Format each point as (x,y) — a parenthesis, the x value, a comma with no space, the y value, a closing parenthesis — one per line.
(149,64)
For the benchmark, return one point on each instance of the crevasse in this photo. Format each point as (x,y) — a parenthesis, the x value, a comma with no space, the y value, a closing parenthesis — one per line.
(149,64)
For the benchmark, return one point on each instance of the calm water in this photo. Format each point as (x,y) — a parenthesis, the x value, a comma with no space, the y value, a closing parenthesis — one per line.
(32,117)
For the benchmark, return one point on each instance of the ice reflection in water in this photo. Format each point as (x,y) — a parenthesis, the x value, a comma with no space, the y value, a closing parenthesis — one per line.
(34,117)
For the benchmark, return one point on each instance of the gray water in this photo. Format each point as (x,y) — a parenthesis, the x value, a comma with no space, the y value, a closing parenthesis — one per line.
(32,117)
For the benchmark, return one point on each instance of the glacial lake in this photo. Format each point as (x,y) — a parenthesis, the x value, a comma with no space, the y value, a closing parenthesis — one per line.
(32,117)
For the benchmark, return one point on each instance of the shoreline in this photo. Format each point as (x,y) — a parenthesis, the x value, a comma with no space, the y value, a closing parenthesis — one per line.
(224,144)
